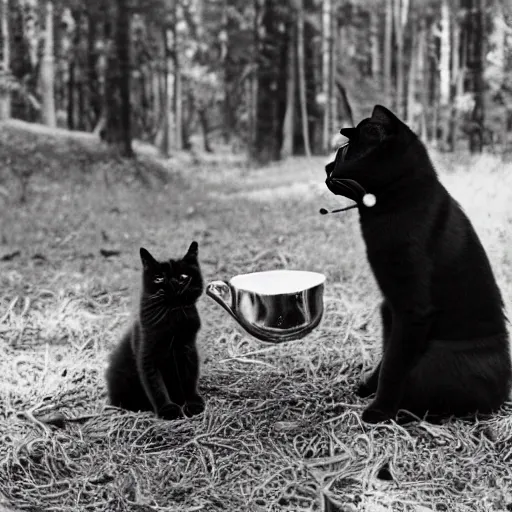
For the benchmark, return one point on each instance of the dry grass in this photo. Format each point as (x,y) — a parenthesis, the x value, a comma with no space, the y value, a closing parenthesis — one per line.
(282,426)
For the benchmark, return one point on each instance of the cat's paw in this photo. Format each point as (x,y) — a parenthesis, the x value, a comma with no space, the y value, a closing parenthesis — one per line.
(365,389)
(194,407)
(170,412)
(375,414)
(368,384)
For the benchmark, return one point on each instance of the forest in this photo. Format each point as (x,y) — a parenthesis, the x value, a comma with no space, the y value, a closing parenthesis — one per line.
(129,124)
(266,77)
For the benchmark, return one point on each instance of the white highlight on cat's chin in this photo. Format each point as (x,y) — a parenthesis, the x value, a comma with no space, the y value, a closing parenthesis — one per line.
(277,282)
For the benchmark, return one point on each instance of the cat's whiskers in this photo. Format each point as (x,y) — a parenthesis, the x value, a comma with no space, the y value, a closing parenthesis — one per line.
(154,318)
(152,299)
(158,293)
(152,305)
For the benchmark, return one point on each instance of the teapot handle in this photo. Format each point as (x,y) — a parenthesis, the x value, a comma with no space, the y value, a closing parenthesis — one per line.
(222,293)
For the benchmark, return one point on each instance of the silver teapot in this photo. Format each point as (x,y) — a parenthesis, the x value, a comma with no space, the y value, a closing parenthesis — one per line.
(273,306)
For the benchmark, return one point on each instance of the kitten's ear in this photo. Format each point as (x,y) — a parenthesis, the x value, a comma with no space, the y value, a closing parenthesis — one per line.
(348,132)
(193,249)
(146,258)
(383,116)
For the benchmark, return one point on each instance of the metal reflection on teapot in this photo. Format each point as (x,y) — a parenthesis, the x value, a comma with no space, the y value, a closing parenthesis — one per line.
(273,306)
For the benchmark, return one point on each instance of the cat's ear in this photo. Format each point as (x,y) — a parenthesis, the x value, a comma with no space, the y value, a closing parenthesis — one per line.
(383,116)
(193,249)
(147,260)
(348,132)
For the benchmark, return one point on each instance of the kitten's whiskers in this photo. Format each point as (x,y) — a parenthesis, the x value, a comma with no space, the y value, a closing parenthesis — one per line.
(153,317)
(152,304)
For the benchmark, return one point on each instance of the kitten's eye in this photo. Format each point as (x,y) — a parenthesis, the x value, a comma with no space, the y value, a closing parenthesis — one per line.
(183,277)
(158,279)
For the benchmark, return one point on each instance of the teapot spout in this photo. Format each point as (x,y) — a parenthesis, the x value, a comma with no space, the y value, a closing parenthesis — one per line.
(222,293)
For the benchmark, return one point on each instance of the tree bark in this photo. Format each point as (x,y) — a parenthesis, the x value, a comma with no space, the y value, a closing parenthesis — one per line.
(326,70)
(205,127)
(123,44)
(253,89)
(163,134)
(422,64)
(177,96)
(92,75)
(81,121)
(47,72)
(413,77)
(400,9)
(5,95)
(388,40)
(455,82)
(288,124)
(302,76)
(118,115)
(444,56)
(476,142)
(271,83)
(375,45)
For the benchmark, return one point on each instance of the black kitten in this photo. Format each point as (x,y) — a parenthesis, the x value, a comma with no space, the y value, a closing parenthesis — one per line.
(156,365)
(445,342)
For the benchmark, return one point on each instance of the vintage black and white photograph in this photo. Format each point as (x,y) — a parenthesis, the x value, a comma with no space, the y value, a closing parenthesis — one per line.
(255,255)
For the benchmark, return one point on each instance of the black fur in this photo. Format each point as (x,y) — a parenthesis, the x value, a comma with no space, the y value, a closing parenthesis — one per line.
(155,367)
(445,342)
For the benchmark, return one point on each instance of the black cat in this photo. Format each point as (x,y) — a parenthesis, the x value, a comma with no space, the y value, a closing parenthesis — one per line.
(445,343)
(156,365)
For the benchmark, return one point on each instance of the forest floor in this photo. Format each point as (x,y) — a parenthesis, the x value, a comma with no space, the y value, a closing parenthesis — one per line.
(282,427)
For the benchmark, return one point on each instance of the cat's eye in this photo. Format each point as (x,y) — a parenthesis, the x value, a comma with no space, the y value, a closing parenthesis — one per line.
(183,277)
(158,279)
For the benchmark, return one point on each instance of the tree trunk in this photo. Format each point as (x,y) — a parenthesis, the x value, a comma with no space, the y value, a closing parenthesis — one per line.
(423,75)
(104,74)
(92,75)
(205,126)
(444,56)
(401,8)
(177,96)
(288,124)
(498,58)
(333,104)
(70,104)
(5,95)
(326,70)
(476,141)
(123,41)
(81,124)
(118,118)
(47,72)
(455,83)
(413,77)
(271,83)
(375,45)
(162,141)
(156,94)
(388,49)
(253,93)
(302,76)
